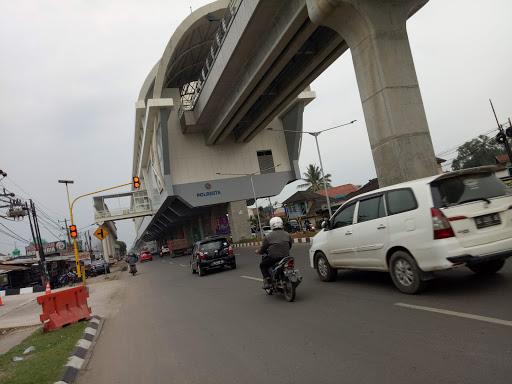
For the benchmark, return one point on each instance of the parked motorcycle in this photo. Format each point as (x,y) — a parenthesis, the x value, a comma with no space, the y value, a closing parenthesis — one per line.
(284,279)
(133,269)
(68,278)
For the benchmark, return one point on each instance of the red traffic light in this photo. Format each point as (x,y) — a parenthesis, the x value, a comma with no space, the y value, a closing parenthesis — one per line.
(136,182)
(73,232)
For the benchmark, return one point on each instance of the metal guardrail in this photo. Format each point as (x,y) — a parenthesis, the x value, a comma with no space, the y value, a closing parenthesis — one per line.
(218,41)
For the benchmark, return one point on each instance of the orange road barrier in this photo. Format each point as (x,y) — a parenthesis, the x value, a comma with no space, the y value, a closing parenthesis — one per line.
(64,307)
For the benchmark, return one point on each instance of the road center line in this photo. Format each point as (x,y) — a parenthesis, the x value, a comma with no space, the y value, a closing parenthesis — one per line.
(457,314)
(252,278)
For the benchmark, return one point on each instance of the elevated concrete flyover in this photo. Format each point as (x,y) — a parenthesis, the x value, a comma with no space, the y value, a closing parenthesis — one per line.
(234,68)
(265,53)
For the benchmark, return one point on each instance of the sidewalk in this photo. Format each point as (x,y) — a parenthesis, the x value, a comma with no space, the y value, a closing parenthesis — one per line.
(19,316)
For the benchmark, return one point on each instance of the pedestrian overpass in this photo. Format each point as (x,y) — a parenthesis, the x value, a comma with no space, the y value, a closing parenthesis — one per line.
(139,206)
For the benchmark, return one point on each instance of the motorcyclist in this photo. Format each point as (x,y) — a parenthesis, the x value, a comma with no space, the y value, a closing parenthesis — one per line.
(276,246)
(132,259)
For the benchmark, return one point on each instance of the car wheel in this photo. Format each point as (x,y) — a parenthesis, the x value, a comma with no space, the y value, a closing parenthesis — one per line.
(324,269)
(405,273)
(488,267)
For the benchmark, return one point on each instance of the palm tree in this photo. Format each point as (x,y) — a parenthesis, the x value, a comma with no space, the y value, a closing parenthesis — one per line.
(314,180)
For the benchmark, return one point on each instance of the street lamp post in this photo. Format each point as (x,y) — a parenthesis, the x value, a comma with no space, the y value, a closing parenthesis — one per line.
(253,190)
(71,204)
(315,135)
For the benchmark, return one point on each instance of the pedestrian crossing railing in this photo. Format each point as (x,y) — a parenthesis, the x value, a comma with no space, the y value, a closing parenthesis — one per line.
(140,205)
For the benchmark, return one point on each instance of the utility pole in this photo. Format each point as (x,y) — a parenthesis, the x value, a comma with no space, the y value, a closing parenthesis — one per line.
(501,137)
(67,232)
(38,244)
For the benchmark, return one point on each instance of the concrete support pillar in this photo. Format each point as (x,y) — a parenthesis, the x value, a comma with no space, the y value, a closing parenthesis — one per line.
(375,31)
(104,245)
(110,249)
(239,220)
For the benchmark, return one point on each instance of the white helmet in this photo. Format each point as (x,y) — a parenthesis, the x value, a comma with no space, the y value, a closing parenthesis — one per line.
(276,223)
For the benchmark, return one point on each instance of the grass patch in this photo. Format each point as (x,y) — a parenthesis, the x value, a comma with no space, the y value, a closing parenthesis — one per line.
(45,364)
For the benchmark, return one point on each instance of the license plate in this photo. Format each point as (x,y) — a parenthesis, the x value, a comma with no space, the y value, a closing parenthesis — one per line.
(487,220)
(219,262)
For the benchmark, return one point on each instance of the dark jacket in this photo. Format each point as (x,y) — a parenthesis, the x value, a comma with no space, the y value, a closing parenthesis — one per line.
(277,244)
(132,259)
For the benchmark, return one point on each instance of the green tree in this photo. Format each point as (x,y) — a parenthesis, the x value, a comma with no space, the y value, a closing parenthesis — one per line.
(314,180)
(477,152)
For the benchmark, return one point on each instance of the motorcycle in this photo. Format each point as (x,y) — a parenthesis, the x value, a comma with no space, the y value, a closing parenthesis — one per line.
(68,278)
(133,269)
(284,279)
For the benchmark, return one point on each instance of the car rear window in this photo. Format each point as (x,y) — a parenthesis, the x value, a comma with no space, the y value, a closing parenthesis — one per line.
(213,245)
(466,188)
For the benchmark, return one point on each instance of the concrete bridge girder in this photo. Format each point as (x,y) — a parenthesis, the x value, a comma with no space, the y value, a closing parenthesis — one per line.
(395,117)
(374,30)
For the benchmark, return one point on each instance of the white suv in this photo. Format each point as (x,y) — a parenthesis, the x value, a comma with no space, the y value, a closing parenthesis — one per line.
(418,227)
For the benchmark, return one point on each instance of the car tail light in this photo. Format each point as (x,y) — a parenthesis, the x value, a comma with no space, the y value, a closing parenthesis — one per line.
(230,251)
(290,264)
(441,225)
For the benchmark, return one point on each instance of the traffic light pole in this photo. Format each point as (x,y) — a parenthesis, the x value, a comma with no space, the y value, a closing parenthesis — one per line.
(71,204)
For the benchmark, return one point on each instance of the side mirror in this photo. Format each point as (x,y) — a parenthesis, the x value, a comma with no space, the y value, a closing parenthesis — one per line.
(325,224)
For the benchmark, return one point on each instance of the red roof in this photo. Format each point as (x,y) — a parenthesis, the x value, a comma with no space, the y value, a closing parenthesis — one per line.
(502,159)
(340,191)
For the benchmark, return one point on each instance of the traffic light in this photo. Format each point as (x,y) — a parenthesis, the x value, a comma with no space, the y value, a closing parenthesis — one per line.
(73,232)
(136,182)
(501,137)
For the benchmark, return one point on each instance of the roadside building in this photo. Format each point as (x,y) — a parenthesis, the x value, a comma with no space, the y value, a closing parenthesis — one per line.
(338,195)
(303,205)
(504,166)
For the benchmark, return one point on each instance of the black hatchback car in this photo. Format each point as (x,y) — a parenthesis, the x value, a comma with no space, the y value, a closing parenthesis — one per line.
(212,253)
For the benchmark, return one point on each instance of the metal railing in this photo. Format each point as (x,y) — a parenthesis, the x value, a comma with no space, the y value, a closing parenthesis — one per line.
(140,205)
(190,101)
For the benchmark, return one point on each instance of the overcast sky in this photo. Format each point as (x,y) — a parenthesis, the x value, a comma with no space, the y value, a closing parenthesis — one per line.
(70,72)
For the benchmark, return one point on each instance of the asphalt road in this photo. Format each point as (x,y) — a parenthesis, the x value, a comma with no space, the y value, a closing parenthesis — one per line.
(175,327)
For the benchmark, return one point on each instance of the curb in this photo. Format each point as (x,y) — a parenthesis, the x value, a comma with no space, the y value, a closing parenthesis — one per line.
(258,243)
(82,353)
(21,291)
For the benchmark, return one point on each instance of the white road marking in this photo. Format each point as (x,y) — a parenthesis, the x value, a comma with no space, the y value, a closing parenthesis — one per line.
(457,314)
(252,278)
(171,262)
(183,265)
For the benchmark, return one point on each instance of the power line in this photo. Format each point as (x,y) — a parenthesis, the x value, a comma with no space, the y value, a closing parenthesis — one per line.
(29,196)
(13,234)
(48,230)
(456,148)
(49,220)
(450,161)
